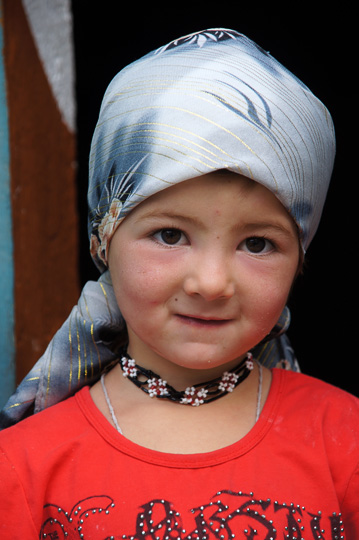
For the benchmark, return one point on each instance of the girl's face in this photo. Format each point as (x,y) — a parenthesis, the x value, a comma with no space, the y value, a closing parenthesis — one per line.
(202,270)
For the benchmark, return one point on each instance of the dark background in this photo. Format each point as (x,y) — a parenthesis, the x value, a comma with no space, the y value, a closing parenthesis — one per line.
(316,46)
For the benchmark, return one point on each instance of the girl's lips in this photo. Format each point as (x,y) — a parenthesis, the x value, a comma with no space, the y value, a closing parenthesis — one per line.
(206,321)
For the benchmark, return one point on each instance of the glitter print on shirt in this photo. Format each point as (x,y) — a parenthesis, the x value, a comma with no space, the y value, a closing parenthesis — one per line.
(226,516)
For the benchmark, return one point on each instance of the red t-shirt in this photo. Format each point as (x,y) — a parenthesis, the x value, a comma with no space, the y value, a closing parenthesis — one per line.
(67,473)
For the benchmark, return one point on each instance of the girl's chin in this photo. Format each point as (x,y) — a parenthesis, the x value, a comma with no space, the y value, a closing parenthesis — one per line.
(200,358)
(196,350)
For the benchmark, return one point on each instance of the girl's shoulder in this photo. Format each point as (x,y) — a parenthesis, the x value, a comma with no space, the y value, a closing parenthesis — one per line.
(48,428)
(314,398)
(308,383)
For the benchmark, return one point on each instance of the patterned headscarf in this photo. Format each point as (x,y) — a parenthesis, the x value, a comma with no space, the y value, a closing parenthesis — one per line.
(208,101)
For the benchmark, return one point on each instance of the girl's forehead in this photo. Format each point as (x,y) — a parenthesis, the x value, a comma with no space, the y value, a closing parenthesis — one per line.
(227,195)
(217,183)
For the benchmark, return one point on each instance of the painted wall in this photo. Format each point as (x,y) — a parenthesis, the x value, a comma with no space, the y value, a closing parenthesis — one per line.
(7,370)
(40,107)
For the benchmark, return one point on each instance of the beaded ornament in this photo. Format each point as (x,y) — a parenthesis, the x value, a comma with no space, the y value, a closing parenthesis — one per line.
(195,395)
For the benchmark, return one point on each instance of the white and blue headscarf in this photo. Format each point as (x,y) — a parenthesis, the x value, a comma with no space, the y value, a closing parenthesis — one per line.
(208,101)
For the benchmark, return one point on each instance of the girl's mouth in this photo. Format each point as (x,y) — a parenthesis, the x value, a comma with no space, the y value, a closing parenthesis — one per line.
(203,321)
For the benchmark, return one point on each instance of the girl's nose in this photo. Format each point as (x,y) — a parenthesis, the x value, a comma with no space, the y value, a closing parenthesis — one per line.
(210,277)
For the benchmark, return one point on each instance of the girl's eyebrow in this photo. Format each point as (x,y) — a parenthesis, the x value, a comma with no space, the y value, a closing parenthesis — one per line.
(169,215)
(274,226)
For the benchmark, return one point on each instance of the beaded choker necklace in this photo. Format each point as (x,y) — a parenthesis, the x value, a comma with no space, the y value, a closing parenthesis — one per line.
(195,395)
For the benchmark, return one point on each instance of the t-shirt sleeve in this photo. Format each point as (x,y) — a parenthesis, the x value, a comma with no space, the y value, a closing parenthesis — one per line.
(15,517)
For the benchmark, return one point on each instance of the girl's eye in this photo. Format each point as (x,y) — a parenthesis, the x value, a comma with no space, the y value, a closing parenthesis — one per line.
(257,245)
(170,237)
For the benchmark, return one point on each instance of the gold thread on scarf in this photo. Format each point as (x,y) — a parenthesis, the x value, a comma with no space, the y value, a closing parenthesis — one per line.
(181,110)
(84,347)
(93,337)
(78,352)
(106,298)
(265,353)
(18,404)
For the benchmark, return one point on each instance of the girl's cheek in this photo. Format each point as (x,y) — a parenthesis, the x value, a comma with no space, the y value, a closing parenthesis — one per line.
(276,270)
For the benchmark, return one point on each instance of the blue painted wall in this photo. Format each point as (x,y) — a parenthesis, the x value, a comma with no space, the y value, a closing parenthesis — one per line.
(7,360)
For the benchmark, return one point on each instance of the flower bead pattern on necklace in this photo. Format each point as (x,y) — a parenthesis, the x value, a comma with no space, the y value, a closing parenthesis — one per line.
(228,382)
(194,396)
(129,367)
(157,387)
(249,361)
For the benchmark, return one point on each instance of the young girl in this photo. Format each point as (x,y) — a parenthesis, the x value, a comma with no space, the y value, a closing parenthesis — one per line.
(208,173)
